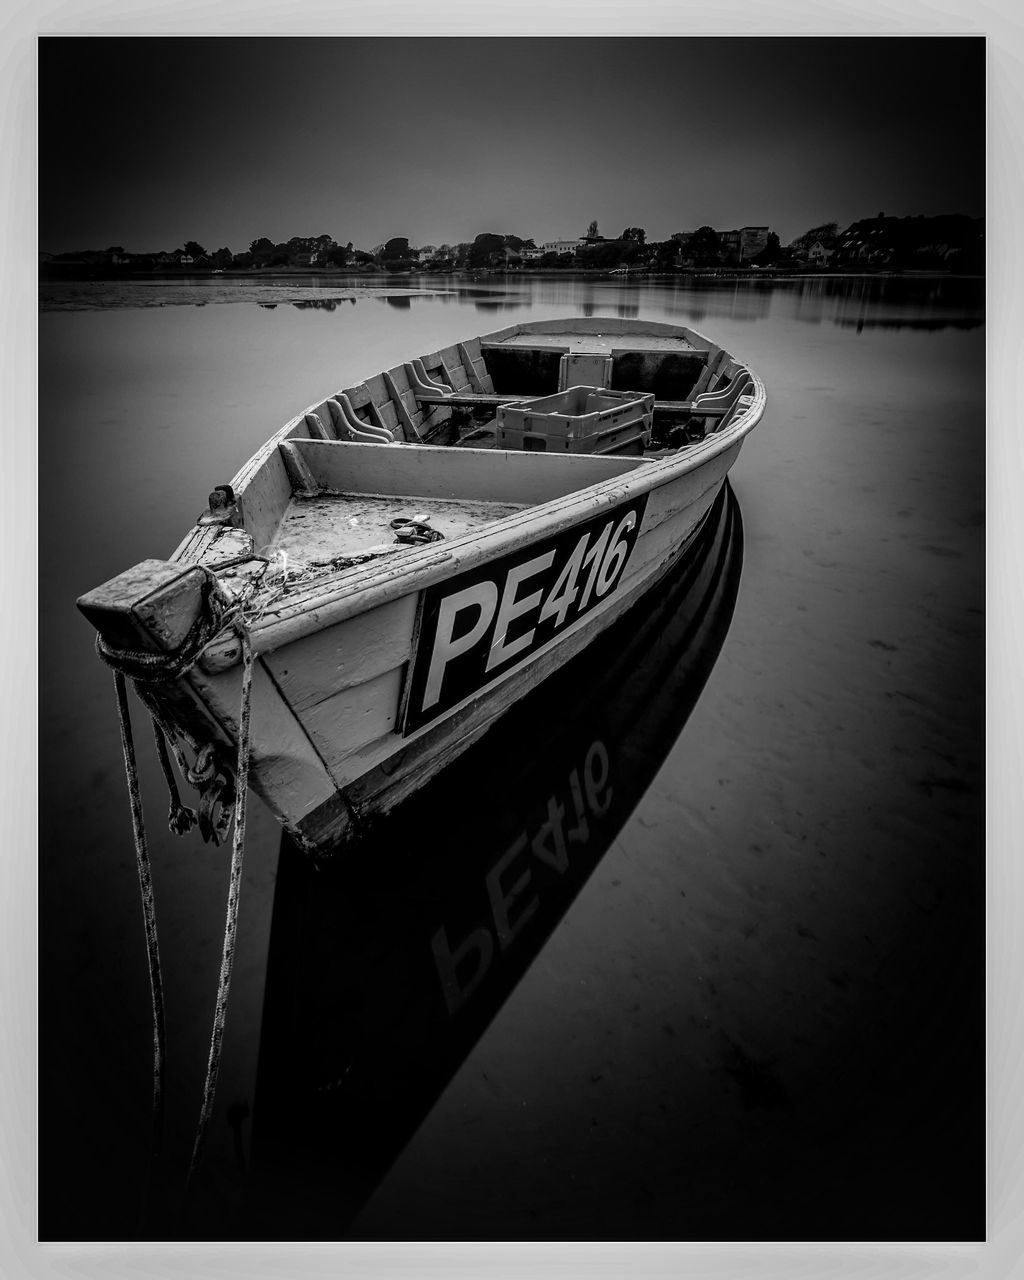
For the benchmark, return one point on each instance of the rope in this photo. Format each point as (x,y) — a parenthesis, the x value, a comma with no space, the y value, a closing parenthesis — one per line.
(180,819)
(145,696)
(148,912)
(146,669)
(150,667)
(208,773)
(231,922)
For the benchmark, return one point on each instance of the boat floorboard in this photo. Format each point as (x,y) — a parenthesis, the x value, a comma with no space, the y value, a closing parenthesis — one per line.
(319,529)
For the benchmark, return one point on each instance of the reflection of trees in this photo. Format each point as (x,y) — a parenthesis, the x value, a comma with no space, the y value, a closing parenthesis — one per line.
(317,304)
(882,302)
(497,304)
(846,300)
(868,302)
(861,323)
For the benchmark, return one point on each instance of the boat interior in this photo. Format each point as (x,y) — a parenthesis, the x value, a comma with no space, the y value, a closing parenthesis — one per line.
(451,396)
(338,504)
(563,405)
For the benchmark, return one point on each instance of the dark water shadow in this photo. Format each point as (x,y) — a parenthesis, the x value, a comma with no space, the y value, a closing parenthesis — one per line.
(386,968)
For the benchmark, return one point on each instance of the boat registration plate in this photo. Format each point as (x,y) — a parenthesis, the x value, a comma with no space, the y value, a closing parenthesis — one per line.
(478,625)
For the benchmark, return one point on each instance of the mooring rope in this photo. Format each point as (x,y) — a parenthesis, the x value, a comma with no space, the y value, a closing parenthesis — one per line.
(180,818)
(231,922)
(147,669)
(148,910)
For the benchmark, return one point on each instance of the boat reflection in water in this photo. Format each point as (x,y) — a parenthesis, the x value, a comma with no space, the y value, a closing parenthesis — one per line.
(386,967)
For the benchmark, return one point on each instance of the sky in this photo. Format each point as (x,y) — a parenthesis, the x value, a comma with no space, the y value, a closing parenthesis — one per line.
(148,142)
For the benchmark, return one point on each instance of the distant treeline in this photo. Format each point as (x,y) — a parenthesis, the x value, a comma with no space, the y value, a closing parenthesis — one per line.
(950,242)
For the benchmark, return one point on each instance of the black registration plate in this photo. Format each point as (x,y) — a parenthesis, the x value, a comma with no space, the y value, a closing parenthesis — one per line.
(475,627)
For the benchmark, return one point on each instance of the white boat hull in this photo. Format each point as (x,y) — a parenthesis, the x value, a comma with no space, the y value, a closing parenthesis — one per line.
(343,686)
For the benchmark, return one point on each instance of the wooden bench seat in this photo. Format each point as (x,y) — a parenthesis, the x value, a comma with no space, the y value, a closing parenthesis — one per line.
(478,400)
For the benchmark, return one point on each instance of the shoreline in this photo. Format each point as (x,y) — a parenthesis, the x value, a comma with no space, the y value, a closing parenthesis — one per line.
(60,277)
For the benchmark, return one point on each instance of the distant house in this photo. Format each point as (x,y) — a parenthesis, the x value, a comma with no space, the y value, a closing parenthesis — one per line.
(731,245)
(869,242)
(821,252)
(744,243)
(752,241)
(561,246)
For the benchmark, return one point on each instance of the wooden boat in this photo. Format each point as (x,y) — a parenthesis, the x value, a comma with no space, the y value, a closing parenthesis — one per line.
(406,557)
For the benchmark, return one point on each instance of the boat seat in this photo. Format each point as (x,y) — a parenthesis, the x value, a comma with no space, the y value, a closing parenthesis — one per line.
(470,400)
(428,390)
(479,400)
(465,400)
(680,408)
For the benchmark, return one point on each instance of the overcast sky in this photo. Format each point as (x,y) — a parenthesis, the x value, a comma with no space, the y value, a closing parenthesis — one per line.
(147,143)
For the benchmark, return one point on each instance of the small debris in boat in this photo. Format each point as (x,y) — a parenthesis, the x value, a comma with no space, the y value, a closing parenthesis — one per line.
(415,529)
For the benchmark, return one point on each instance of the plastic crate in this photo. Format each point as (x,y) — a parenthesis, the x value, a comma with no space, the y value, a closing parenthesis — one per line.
(578,420)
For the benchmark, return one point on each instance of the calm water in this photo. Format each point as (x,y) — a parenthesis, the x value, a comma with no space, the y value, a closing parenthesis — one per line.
(762,1016)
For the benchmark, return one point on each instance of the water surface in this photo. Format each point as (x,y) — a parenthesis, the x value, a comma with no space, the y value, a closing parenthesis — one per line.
(762,1016)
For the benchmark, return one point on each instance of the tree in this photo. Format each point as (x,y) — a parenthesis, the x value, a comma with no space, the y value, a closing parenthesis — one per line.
(637,234)
(194,249)
(604,256)
(772,251)
(397,253)
(261,246)
(486,249)
(705,246)
(665,252)
(592,230)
